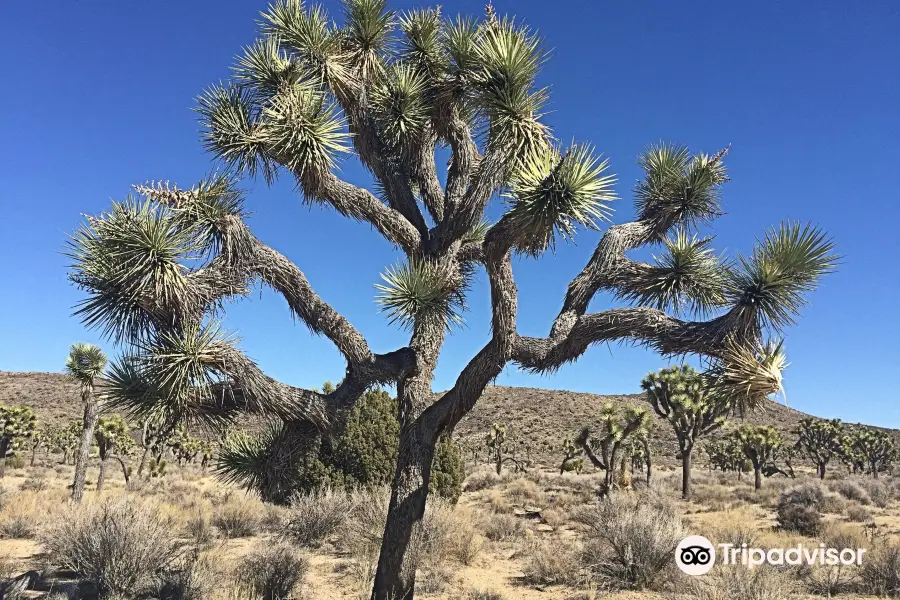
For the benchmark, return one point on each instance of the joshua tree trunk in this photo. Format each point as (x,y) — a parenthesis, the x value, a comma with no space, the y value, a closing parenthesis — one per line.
(757,477)
(89,423)
(102,475)
(34,450)
(820,470)
(4,448)
(395,576)
(143,462)
(686,472)
(124,469)
(648,459)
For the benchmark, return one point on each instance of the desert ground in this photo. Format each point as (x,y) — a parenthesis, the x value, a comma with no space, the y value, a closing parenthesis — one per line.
(531,535)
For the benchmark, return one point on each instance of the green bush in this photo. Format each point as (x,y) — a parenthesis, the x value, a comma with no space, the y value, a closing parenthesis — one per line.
(362,454)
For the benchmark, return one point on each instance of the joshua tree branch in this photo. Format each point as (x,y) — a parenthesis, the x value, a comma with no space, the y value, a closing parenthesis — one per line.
(359,203)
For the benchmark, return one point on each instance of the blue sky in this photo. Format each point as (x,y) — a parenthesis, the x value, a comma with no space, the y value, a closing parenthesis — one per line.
(99,95)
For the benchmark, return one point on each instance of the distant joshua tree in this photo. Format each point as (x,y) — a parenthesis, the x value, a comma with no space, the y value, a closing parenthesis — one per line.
(17,424)
(684,398)
(158,270)
(759,444)
(820,441)
(113,441)
(85,364)
(602,445)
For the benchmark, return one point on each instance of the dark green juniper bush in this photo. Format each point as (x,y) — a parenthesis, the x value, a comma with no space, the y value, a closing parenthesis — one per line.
(759,443)
(158,268)
(17,424)
(602,445)
(820,441)
(85,364)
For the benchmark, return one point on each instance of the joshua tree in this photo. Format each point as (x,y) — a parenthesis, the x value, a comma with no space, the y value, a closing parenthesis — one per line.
(69,439)
(184,447)
(638,448)
(874,448)
(727,455)
(759,444)
(684,398)
(113,437)
(501,448)
(85,364)
(17,423)
(154,438)
(602,447)
(158,269)
(820,441)
(572,460)
(43,437)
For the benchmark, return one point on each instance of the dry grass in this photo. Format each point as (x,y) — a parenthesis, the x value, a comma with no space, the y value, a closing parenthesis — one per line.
(741,584)
(239,517)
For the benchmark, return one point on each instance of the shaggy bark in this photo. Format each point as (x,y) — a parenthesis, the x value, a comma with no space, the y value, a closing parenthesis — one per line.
(89,423)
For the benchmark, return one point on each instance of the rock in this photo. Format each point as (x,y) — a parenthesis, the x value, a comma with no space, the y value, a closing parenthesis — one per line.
(543,527)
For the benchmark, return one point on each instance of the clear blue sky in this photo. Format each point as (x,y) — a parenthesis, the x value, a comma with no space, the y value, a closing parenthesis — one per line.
(98,95)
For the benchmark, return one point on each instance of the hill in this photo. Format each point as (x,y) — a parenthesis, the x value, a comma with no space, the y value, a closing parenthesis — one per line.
(543,418)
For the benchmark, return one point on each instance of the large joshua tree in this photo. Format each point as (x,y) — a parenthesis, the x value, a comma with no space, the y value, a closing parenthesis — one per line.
(85,364)
(157,268)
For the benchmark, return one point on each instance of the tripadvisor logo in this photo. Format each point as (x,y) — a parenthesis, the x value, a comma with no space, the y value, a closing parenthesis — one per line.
(696,555)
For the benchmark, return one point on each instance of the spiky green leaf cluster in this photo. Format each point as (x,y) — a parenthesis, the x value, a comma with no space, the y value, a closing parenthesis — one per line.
(787,264)
(367,32)
(506,58)
(678,188)
(400,107)
(551,193)
(172,376)
(130,262)
(747,374)
(688,277)
(422,44)
(272,463)
(421,289)
(85,363)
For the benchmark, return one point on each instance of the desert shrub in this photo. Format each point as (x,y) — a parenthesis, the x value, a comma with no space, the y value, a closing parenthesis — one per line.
(193,578)
(631,538)
(736,583)
(851,491)
(880,492)
(880,570)
(238,518)
(551,561)
(833,580)
(736,528)
(799,509)
(200,529)
(314,517)
(480,480)
(15,462)
(480,594)
(859,514)
(447,533)
(34,484)
(525,490)
(118,546)
(22,516)
(498,527)
(271,573)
